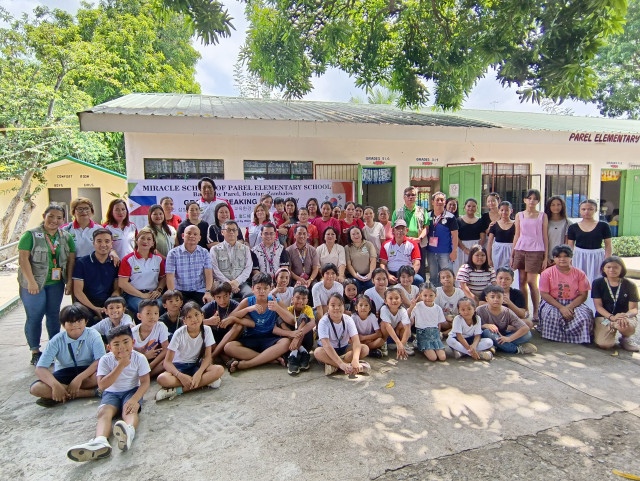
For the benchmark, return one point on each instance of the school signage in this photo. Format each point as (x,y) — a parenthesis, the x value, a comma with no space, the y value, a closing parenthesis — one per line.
(243,195)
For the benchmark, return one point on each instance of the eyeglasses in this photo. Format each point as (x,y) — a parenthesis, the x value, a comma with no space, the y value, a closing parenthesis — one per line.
(232,231)
(268,233)
(409,195)
(83,209)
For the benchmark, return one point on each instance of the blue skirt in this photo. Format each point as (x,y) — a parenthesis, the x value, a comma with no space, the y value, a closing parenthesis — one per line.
(429,339)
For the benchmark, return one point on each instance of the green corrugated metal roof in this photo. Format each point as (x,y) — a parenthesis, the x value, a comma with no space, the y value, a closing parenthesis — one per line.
(88,164)
(208,106)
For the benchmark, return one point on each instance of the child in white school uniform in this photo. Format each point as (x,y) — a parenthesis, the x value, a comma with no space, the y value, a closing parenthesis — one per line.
(283,293)
(427,317)
(395,322)
(368,328)
(447,297)
(151,337)
(465,337)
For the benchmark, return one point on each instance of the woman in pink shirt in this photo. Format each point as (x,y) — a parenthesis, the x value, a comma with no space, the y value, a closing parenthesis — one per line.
(564,289)
(529,254)
(325,219)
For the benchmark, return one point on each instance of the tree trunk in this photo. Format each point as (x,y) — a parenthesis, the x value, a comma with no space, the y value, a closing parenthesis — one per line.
(20,226)
(13,205)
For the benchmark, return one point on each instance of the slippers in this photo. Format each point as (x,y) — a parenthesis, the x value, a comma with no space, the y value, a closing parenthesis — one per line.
(233,365)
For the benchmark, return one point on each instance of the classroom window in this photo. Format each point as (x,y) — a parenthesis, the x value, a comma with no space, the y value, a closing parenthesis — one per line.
(511,181)
(569,181)
(183,168)
(277,169)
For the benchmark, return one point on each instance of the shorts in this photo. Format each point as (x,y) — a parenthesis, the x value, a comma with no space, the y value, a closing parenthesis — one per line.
(118,399)
(530,262)
(188,368)
(66,374)
(219,333)
(259,344)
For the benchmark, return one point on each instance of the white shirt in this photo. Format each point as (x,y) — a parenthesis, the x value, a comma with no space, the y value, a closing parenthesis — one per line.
(425,316)
(187,349)
(375,235)
(415,290)
(105,325)
(129,378)
(123,239)
(366,326)
(460,327)
(448,304)
(345,330)
(321,294)
(159,334)
(377,299)
(400,316)
(337,255)
(83,238)
(283,297)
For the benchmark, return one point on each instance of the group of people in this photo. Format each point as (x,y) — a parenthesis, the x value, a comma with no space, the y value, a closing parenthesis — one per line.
(171,299)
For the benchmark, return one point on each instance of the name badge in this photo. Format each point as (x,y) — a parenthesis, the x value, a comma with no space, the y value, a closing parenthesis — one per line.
(433,242)
(56,274)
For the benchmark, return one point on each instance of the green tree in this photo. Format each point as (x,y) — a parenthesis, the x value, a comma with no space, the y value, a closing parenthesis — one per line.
(618,69)
(543,46)
(206,18)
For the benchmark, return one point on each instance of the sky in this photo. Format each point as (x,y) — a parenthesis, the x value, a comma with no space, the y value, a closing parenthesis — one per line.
(214,71)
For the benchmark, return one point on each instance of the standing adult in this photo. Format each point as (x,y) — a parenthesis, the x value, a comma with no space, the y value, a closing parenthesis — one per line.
(400,251)
(231,261)
(413,215)
(325,219)
(82,227)
(271,255)
(189,270)
(492,215)
(194,213)
(167,206)
(470,232)
(383,218)
(46,257)
(165,234)
(208,200)
(124,231)
(260,216)
(440,241)
(303,259)
(95,276)
(373,231)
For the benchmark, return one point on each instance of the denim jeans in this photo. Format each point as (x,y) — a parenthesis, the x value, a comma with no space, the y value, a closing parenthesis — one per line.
(510,347)
(44,303)
(437,262)
(417,279)
(362,285)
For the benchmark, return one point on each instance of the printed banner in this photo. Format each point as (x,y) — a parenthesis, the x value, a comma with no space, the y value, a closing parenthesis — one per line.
(243,195)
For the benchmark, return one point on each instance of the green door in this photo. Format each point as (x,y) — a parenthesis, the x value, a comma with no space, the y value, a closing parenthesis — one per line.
(629,203)
(465,179)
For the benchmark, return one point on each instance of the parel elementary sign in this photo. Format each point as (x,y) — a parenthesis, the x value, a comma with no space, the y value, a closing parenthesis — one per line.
(600,137)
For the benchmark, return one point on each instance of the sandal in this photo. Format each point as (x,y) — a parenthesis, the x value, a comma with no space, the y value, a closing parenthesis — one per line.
(232,364)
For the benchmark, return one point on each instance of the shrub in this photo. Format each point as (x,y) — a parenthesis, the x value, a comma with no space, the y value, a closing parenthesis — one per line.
(626,246)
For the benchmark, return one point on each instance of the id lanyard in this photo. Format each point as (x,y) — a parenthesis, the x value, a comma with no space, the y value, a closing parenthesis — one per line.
(270,267)
(53,249)
(435,223)
(344,328)
(615,298)
(73,357)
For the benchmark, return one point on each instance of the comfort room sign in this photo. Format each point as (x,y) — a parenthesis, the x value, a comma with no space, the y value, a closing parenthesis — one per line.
(243,195)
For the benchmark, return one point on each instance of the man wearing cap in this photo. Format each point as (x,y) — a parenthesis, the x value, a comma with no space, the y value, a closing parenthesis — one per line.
(208,201)
(400,251)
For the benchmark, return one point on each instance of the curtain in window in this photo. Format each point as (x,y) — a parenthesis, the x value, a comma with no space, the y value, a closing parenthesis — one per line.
(424,175)
(376,175)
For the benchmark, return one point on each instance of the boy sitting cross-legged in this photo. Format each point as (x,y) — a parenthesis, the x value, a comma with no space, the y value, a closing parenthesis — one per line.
(172,301)
(300,331)
(261,342)
(123,375)
(215,313)
(76,351)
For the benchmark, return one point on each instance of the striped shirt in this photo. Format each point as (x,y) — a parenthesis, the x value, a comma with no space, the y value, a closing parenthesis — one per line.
(188,268)
(476,280)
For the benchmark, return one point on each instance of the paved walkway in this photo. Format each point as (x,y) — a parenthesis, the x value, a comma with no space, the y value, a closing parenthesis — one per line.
(569,411)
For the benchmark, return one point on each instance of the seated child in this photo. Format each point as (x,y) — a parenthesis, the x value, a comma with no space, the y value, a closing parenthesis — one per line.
(301,331)
(447,297)
(282,292)
(350,293)
(513,298)
(114,309)
(395,323)
(151,337)
(188,361)
(123,375)
(376,293)
(427,317)
(368,328)
(466,333)
(406,274)
(508,332)
(338,344)
(323,289)
(172,301)
(217,311)
(76,351)
(261,342)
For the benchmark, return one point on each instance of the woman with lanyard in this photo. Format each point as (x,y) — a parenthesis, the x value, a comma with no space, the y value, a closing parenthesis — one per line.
(141,274)
(470,232)
(46,260)
(271,254)
(616,301)
(164,233)
(439,238)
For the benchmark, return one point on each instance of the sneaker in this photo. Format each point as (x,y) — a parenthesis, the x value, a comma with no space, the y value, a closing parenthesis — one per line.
(375,353)
(166,393)
(365,367)
(329,369)
(485,355)
(527,348)
(384,350)
(456,354)
(293,366)
(46,402)
(124,434)
(35,357)
(409,348)
(305,358)
(493,350)
(628,345)
(391,346)
(216,384)
(94,449)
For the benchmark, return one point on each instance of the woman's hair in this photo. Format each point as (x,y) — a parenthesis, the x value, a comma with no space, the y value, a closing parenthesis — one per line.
(383,208)
(477,248)
(615,260)
(164,226)
(165,198)
(562,249)
(470,199)
(346,204)
(189,204)
(264,197)
(81,200)
(472,303)
(110,219)
(379,270)
(329,228)
(547,207)
(408,270)
(295,204)
(506,270)
(590,201)
(495,195)
(314,200)
(326,202)
(364,297)
(74,312)
(221,205)
(351,229)
(266,212)
(51,207)
(146,230)
(534,192)
(507,203)
(329,266)
(366,208)
(427,286)
(452,199)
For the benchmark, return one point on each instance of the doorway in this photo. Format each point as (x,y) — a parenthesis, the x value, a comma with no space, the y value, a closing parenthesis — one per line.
(93,194)
(61,197)
(378,187)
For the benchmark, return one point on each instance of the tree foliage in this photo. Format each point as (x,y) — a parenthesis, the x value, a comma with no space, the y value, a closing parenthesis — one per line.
(207,18)
(545,47)
(618,68)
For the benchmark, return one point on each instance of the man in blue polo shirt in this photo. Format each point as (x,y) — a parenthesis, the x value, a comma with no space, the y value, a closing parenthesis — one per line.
(95,277)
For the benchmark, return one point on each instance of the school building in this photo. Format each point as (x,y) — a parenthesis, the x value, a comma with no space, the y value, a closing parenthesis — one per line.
(66,179)
(381,148)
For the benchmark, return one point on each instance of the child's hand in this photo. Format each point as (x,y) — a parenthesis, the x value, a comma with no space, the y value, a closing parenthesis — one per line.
(150,354)
(226,323)
(74,387)
(473,353)
(345,367)
(184,379)
(58,392)
(130,407)
(216,319)
(402,352)
(355,366)
(195,380)
(271,305)
(503,339)
(125,360)
(567,313)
